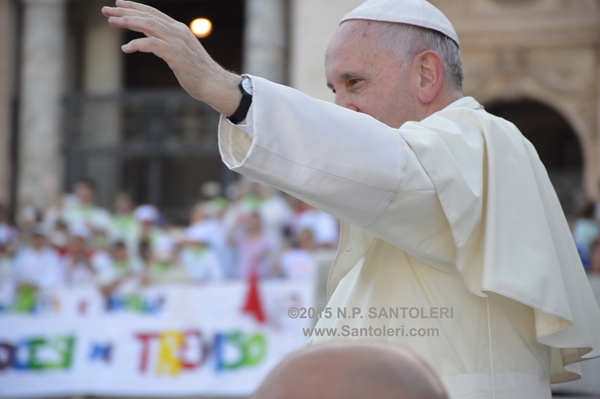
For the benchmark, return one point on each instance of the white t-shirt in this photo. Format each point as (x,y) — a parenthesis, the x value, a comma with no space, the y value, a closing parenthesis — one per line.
(40,268)
(201,264)
(298,263)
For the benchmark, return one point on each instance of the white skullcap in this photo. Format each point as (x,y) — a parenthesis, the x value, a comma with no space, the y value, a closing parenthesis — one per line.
(411,12)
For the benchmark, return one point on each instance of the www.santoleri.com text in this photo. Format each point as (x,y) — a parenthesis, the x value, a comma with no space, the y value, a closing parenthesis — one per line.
(347,331)
(373,313)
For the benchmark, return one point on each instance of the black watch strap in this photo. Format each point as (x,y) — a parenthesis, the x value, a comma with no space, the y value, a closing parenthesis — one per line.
(242,109)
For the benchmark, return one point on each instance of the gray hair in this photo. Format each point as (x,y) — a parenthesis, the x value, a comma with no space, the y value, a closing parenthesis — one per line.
(408,40)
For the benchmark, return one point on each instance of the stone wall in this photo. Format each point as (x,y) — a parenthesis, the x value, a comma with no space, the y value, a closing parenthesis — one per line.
(545,50)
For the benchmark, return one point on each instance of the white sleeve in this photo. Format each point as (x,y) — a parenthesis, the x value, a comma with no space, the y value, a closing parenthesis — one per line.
(343,162)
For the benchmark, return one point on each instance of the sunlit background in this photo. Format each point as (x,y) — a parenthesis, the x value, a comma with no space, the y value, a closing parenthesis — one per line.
(105,158)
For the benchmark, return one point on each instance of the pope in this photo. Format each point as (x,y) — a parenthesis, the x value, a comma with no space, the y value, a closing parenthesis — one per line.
(442,204)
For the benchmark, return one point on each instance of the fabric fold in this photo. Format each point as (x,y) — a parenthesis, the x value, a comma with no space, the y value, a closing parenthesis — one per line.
(510,232)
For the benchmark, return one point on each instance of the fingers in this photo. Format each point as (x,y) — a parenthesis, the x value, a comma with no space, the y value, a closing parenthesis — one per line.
(158,47)
(142,8)
(149,26)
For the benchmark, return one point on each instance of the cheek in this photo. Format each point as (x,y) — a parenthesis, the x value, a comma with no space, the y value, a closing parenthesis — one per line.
(369,103)
(382,105)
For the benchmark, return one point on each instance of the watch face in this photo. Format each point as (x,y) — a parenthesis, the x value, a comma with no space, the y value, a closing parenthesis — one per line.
(247,84)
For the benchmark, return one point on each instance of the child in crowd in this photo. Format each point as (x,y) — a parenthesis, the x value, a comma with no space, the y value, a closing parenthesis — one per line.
(198,258)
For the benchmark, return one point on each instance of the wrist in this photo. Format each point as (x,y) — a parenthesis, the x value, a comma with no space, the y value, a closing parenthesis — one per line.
(222,92)
(241,112)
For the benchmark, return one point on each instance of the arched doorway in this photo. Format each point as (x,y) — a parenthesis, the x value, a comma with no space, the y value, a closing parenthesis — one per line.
(555,141)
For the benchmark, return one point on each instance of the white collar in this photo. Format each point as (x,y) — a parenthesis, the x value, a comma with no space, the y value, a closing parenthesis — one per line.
(468,102)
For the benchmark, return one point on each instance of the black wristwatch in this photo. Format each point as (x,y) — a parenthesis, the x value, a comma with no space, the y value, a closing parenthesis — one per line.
(242,110)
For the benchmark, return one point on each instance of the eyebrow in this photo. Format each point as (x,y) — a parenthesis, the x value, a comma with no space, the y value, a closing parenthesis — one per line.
(344,76)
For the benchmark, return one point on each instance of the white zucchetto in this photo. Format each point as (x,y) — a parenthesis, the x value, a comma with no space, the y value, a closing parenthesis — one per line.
(412,12)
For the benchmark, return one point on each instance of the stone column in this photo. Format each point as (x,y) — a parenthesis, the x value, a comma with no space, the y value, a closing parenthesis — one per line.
(42,89)
(7,74)
(102,81)
(265,39)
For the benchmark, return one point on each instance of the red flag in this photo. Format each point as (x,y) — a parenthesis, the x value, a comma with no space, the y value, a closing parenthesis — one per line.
(253,304)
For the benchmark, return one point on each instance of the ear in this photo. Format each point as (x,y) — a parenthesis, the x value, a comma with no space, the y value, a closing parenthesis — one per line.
(431,75)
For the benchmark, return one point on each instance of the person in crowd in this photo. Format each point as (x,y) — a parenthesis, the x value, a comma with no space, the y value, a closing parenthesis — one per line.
(7,282)
(145,255)
(198,257)
(121,272)
(298,261)
(275,213)
(594,257)
(100,240)
(124,225)
(82,261)
(148,217)
(237,212)
(7,231)
(174,229)
(585,227)
(212,191)
(205,217)
(161,266)
(362,370)
(58,237)
(29,221)
(254,248)
(82,210)
(323,226)
(37,266)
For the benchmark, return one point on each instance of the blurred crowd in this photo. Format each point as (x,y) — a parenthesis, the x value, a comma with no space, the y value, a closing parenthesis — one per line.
(586,232)
(253,230)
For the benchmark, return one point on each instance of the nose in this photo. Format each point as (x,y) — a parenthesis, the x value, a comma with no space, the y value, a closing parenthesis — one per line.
(343,101)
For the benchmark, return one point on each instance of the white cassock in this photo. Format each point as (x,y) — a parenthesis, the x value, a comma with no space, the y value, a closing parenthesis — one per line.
(452,220)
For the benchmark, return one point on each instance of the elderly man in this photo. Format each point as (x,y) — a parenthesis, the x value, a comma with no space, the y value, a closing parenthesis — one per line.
(358,371)
(453,242)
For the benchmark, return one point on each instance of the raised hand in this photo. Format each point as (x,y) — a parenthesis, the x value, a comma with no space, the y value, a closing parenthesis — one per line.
(196,71)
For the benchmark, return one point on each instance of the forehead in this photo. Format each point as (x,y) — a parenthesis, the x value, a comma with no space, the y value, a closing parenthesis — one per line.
(356,45)
(352,36)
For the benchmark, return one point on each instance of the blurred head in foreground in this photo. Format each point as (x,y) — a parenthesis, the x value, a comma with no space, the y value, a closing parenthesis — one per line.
(352,370)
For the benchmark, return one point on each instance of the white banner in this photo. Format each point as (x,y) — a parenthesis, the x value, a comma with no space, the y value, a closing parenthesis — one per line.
(164,341)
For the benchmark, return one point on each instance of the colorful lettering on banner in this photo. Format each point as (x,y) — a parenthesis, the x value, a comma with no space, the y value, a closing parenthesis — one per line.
(170,343)
(33,353)
(173,350)
(7,355)
(202,350)
(176,348)
(251,350)
(101,352)
(145,341)
(136,304)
